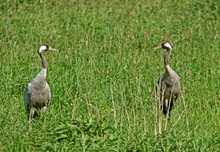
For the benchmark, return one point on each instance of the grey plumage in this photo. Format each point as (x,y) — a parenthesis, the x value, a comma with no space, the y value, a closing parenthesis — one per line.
(37,94)
(168,85)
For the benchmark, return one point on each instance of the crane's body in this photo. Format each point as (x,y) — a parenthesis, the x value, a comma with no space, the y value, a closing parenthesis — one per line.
(37,94)
(168,85)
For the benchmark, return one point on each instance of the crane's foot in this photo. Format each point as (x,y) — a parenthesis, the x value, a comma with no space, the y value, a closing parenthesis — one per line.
(44,109)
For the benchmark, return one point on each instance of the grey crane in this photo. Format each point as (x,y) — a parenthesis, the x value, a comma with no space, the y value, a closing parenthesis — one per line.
(168,85)
(37,94)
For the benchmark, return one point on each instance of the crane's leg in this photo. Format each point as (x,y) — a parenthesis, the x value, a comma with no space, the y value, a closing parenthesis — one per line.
(171,103)
(170,108)
(44,109)
(31,115)
(165,106)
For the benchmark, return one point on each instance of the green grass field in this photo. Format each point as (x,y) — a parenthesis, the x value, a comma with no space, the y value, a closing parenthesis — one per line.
(104,72)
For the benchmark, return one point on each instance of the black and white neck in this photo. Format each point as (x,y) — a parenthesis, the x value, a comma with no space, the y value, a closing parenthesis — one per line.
(166,56)
(41,51)
(43,59)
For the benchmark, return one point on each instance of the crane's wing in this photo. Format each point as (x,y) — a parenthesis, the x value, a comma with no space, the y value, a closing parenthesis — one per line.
(48,92)
(27,96)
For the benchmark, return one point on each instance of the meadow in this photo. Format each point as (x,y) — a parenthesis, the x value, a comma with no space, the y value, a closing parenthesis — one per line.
(104,72)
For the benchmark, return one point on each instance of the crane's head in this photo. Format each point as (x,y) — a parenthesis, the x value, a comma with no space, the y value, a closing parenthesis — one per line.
(43,48)
(164,45)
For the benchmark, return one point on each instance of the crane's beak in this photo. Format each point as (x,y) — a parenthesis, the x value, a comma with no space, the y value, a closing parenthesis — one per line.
(158,47)
(51,49)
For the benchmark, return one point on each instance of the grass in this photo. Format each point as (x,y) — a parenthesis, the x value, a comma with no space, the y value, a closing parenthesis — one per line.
(104,74)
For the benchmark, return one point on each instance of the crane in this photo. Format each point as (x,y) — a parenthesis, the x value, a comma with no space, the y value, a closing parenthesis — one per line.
(37,94)
(168,85)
